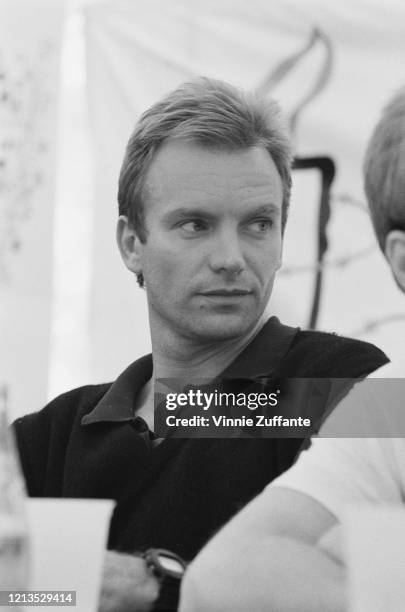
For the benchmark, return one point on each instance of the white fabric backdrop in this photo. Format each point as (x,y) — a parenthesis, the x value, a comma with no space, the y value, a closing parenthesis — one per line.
(30,35)
(137,51)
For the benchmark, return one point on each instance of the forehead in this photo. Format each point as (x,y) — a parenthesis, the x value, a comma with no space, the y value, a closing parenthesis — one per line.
(188,172)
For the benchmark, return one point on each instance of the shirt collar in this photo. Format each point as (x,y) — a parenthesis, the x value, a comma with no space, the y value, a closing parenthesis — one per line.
(261,358)
(117,405)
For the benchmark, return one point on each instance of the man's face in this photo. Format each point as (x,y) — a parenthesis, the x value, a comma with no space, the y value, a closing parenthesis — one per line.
(213,223)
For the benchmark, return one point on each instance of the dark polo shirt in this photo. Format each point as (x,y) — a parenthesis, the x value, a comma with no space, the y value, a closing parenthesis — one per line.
(90,443)
(261,358)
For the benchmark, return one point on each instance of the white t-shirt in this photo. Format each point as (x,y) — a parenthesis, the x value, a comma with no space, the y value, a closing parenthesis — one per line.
(336,470)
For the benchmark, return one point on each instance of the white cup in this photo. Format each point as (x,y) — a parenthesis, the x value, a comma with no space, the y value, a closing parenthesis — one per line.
(67,543)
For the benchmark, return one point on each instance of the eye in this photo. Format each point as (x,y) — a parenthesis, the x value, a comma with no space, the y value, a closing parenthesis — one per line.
(194,226)
(261,226)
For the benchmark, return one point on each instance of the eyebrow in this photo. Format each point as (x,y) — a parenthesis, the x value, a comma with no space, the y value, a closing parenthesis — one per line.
(183,212)
(266,209)
(197,211)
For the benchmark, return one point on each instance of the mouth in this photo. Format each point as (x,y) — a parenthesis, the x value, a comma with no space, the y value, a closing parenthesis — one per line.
(227,293)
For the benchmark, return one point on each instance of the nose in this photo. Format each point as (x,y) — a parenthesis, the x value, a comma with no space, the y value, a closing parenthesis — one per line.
(226,254)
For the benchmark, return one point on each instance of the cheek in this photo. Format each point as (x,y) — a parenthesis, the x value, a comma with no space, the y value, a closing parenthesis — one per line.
(158,268)
(267,261)
(167,266)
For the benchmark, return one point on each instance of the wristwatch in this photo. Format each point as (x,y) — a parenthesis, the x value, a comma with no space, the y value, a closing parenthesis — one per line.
(169,569)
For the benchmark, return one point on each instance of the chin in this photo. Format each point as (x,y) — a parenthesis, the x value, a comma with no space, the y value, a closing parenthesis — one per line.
(226,327)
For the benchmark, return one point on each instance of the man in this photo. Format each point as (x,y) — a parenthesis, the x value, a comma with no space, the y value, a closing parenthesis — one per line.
(203,197)
(283,551)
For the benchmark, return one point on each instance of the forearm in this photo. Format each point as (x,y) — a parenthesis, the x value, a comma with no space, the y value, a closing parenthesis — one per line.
(275,573)
(127,584)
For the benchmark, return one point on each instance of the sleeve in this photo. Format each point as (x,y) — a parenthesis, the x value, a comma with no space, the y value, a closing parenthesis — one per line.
(337,471)
(341,471)
(32,436)
(42,438)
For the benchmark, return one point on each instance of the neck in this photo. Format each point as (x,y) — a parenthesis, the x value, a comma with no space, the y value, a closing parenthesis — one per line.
(175,356)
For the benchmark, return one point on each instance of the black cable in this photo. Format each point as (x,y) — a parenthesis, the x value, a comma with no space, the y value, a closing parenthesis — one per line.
(327,168)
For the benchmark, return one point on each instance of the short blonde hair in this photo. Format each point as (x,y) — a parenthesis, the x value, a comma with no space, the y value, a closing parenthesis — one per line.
(212,113)
(384,170)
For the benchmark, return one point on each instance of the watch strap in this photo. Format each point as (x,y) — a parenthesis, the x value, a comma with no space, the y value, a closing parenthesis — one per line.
(169,593)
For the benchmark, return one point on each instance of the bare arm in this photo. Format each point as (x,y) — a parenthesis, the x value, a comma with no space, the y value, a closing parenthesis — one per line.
(266,559)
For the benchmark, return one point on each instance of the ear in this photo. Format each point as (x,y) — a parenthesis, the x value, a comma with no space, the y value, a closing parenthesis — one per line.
(395,253)
(129,245)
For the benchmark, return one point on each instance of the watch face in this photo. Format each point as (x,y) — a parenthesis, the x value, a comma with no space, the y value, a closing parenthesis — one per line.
(164,563)
(169,564)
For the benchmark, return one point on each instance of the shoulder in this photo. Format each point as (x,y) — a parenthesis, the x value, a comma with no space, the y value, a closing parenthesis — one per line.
(374,408)
(324,354)
(42,437)
(64,408)
(390,370)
